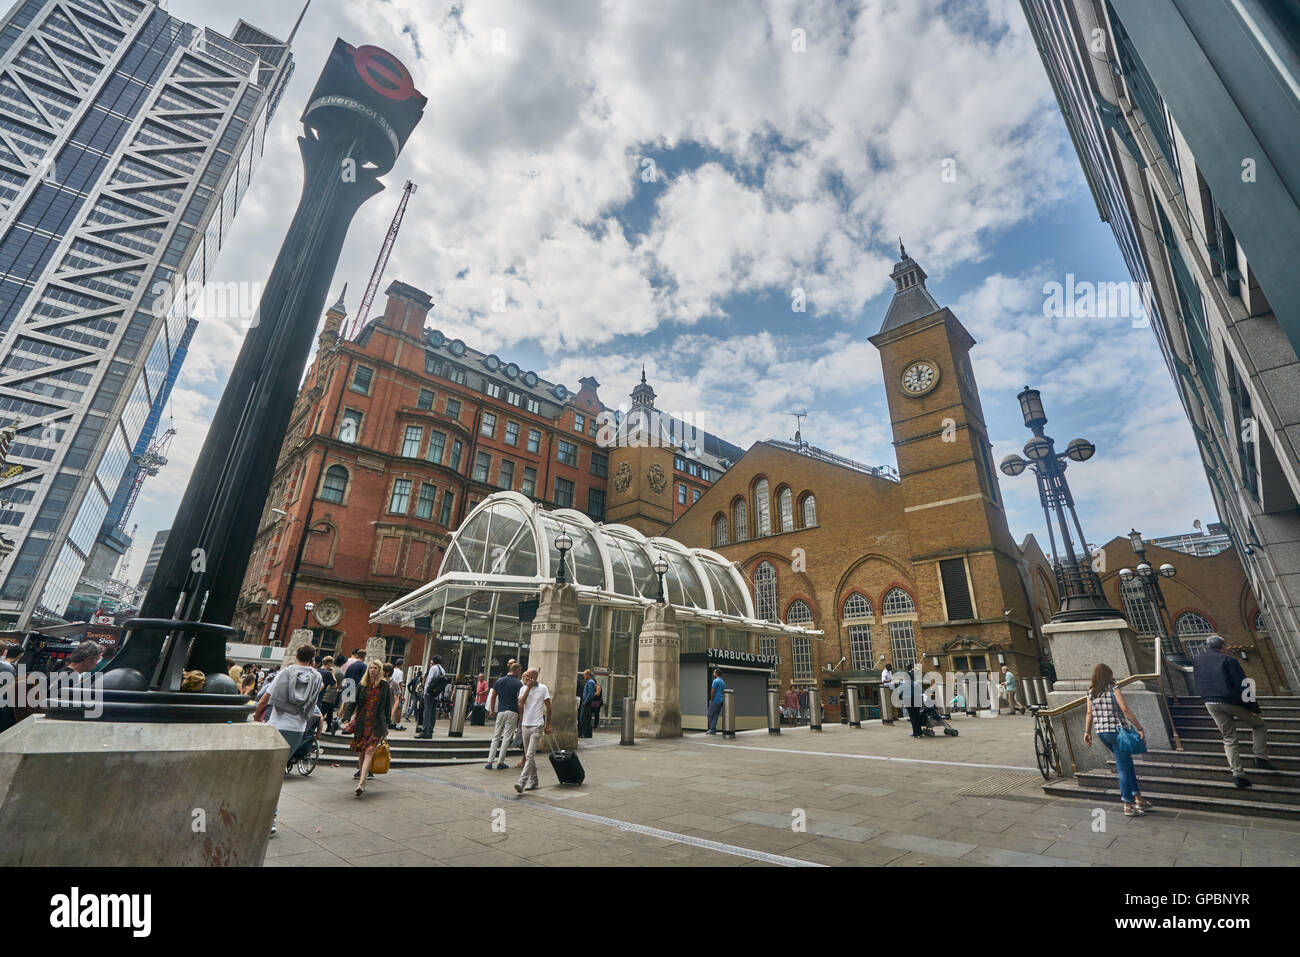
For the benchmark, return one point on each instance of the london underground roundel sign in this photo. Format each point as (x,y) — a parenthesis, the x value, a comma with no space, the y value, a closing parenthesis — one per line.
(384,73)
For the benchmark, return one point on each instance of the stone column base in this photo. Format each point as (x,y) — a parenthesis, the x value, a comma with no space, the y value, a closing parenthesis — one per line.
(113,794)
(658,676)
(1145,706)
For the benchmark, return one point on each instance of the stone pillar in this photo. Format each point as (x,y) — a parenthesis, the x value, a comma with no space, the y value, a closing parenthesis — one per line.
(121,794)
(554,653)
(299,637)
(658,675)
(1078,647)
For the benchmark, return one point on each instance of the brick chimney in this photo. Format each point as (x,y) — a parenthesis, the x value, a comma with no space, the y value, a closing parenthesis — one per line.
(407,309)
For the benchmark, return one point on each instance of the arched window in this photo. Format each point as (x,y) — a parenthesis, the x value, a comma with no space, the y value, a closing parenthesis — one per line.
(857,622)
(762,509)
(765,592)
(720,529)
(899,602)
(739,525)
(857,605)
(785,509)
(809,507)
(800,614)
(335,486)
(902,633)
(1261,624)
(1192,629)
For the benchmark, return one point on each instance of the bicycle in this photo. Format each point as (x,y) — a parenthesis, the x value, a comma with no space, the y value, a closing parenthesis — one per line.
(1045,750)
(307,755)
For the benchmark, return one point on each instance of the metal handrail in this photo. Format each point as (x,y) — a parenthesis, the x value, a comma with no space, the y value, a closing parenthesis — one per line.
(1157,677)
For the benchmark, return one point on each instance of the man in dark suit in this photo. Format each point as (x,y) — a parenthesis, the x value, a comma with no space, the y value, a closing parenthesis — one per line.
(1230,697)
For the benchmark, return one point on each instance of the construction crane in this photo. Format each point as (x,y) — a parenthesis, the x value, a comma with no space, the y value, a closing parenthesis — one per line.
(147,465)
(358,321)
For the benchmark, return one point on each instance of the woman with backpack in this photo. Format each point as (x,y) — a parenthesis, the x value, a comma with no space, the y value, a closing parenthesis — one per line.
(369,724)
(1107,710)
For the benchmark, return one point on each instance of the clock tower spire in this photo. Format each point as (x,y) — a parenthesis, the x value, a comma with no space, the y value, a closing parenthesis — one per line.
(963,555)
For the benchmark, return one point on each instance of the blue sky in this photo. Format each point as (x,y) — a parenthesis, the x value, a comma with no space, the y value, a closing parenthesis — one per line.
(792,143)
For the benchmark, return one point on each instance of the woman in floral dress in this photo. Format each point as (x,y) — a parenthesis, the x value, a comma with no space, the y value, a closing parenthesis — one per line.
(369,725)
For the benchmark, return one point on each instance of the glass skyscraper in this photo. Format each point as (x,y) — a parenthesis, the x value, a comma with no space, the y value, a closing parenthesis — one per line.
(128,139)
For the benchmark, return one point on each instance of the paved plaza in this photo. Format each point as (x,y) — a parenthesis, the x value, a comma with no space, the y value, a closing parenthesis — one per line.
(843,796)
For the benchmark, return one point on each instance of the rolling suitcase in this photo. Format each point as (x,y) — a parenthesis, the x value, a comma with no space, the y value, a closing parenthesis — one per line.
(566,765)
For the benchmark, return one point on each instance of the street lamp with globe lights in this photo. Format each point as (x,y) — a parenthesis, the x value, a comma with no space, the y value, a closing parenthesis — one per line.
(306,610)
(661,569)
(562,545)
(1150,577)
(1082,598)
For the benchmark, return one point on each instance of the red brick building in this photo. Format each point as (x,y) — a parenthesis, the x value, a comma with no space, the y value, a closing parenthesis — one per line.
(394,438)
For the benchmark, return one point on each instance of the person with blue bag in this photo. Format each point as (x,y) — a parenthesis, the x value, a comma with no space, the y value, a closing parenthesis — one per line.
(1109,715)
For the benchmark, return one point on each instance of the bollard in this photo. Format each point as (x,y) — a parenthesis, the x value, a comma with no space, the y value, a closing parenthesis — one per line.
(1034,691)
(629,721)
(728,713)
(773,712)
(814,709)
(459,702)
(975,685)
(855,719)
(1040,685)
(886,704)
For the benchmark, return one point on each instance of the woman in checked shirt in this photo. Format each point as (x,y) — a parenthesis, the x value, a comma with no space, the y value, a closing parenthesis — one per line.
(1105,704)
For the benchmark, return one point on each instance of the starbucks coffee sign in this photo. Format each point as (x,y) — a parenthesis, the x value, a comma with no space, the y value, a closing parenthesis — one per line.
(724,654)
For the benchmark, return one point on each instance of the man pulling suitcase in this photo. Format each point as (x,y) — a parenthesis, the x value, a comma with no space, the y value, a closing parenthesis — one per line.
(535,716)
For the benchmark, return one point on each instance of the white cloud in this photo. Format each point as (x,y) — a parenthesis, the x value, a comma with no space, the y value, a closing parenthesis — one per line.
(815,162)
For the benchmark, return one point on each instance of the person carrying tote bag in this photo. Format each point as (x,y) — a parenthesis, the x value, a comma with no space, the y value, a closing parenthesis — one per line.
(1107,711)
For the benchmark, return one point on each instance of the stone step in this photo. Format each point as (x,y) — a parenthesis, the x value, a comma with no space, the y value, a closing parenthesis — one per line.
(1190,771)
(397,748)
(1277,737)
(1290,797)
(1274,721)
(1214,745)
(419,758)
(1214,758)
(438,742)
(424,762)
(1234,804)
(1269,711)
(1265,701)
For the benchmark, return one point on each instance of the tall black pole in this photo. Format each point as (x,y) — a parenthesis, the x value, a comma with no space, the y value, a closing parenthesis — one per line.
(358,118)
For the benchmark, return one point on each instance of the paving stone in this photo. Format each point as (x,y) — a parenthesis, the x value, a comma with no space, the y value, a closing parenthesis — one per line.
(1006,840)
(736,796)
(925,845)
(1004,858)
(316,858)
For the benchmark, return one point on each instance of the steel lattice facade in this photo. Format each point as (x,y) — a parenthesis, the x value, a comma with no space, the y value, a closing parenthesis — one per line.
(128,139)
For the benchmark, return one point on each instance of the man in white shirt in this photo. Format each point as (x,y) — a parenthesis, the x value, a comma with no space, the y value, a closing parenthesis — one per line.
(399,683)
(535,716)
(292,727)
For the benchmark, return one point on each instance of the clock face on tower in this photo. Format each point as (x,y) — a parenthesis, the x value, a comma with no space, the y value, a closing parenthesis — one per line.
(920,377)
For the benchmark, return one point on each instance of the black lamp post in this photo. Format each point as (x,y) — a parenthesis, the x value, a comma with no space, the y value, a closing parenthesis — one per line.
(306,610)
(1151,593)
(562,545)
(661,569)
(1082,598)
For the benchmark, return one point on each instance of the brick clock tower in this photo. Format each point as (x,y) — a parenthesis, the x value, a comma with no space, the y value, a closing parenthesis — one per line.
(964,559)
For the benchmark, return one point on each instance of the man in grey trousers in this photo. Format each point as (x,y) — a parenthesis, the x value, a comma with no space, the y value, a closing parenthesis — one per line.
(504,703)
(1229,697)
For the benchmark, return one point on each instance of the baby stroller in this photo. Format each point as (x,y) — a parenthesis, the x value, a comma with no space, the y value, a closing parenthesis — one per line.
(933,719)
(307,755)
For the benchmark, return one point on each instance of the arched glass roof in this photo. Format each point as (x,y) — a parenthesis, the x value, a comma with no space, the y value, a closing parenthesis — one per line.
(506,545)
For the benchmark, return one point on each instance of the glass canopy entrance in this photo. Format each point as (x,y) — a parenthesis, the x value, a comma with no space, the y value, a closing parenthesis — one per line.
(503,553)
